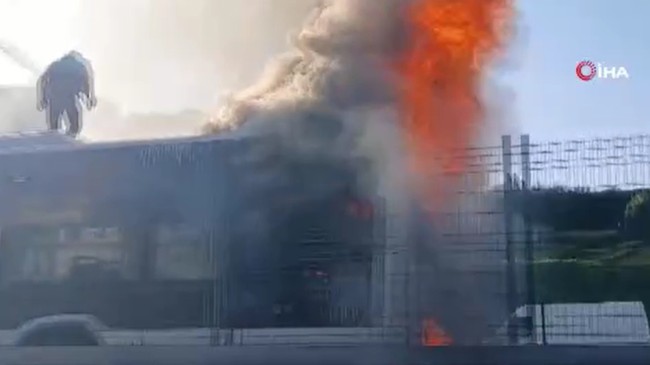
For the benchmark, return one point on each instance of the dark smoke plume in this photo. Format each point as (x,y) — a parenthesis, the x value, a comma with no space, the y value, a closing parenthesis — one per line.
(333,97)
(320,96)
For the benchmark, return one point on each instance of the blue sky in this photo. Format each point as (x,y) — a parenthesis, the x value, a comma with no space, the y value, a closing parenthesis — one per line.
(551,102)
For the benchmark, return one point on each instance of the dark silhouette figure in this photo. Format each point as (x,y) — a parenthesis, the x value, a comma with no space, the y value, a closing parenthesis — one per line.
(62,86)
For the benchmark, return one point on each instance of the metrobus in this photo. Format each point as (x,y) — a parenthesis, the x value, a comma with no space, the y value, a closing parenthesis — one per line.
(181,233)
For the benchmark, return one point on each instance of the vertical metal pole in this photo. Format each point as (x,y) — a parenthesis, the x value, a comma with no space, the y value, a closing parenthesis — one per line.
(214,296)
(2,244)
(387,267)
(379,256)
(543,309)
(224,267)
(218,238)
(528,236)
(511,287)
(410,305)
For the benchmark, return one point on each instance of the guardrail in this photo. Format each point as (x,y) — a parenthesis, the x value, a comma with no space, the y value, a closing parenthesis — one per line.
(247,337)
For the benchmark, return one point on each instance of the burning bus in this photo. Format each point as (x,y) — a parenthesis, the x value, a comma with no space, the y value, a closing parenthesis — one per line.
(226,233)
(195,232)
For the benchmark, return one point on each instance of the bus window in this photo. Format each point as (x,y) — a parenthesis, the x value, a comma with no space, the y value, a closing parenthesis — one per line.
(55,253)
(182,253)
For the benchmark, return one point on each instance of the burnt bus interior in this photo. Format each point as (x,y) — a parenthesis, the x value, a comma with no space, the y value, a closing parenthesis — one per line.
(315,269)
(148,237)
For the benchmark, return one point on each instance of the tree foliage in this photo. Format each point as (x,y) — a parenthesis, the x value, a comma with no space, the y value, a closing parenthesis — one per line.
(566,209)
(637,216)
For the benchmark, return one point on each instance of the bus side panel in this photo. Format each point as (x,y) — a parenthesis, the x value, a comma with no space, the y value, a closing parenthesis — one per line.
(141,190)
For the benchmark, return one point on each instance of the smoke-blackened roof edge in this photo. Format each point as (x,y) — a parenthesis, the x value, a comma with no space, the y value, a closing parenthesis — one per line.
(38,142)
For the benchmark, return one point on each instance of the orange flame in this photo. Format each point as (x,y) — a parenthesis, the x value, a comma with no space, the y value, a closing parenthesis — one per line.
(433,335)
(451,45)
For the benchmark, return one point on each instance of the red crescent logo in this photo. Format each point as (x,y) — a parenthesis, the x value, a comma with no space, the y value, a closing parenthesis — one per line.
(580,70)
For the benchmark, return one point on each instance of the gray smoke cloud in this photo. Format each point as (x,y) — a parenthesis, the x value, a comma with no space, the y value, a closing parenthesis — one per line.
(338,62)
(333,92)
(333,98)
(333,95)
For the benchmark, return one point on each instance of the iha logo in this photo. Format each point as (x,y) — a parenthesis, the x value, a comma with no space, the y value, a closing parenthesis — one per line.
(588,70)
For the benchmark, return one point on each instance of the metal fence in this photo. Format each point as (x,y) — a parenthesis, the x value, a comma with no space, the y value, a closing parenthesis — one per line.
(535,246)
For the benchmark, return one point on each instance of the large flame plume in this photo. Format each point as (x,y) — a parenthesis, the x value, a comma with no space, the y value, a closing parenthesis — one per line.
(452,44)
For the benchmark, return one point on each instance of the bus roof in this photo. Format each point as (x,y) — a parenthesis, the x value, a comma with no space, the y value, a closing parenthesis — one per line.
(46,141)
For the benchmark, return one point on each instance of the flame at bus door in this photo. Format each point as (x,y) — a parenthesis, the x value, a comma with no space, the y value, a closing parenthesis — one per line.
(433,335)
(451,45)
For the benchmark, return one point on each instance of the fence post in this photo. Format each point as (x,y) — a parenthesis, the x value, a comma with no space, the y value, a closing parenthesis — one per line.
(529,246)
(511,285)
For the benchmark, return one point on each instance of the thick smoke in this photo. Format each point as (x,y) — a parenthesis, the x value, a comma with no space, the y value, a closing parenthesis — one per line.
(340,76)
(340,62)
(332,98)
(337,76)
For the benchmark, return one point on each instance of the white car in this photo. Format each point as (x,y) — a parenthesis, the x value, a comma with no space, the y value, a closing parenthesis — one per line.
(61,330)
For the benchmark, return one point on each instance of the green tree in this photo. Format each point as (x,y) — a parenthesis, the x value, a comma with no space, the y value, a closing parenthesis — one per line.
(637,216)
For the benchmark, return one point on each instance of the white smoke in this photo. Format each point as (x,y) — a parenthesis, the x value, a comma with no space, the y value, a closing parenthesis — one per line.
(340,61)
(167,58)
(18,56)
(171,55)
(337,76)
(168,61)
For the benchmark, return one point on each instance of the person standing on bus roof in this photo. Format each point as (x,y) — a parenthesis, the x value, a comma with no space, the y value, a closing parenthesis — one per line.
(62,86)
